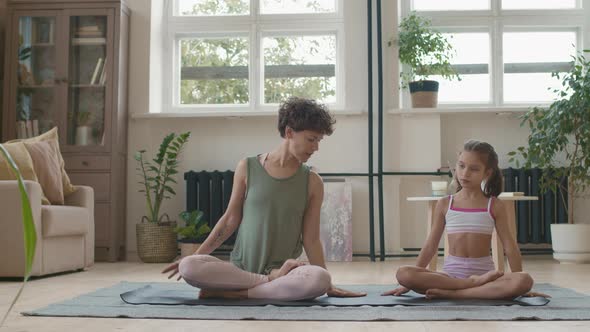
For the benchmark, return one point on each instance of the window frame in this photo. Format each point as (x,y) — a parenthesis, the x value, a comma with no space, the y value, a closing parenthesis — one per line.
(498,20)
(255,27)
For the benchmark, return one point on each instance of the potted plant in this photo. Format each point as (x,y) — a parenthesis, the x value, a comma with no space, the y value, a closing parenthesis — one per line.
(193,233)
(425,52)
(156,240)
(29,232)
(559,143)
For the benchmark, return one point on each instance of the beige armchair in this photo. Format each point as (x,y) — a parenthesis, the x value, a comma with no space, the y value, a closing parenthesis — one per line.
(65,233)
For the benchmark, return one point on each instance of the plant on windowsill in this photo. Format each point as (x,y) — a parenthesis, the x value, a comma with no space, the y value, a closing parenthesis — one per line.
(425,52)
(156,240)
(559,144)
(29,232)
(193,233)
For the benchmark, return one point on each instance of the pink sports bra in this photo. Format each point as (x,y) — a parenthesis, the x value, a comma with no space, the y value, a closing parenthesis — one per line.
(459,220)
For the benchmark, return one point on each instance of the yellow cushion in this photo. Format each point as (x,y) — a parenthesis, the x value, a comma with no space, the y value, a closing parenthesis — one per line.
(23,161)
(51,135)
(47,168)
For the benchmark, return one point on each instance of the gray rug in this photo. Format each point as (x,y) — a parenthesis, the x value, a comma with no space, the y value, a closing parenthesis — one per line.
(565,304)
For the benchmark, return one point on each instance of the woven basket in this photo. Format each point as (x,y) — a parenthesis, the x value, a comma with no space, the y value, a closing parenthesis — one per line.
(156,243)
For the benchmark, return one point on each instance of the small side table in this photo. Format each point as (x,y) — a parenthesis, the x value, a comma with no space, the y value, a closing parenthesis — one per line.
(497,248)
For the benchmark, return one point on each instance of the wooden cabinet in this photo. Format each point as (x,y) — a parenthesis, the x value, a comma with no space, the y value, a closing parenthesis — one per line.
(66,66)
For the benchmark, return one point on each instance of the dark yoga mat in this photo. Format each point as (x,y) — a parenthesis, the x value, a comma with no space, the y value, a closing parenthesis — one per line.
(565,304)
(175,294)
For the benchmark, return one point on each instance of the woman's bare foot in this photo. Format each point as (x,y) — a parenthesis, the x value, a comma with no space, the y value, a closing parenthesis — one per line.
(223,294)
(486,277)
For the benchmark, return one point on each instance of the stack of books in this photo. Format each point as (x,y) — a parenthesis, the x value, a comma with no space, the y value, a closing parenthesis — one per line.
(88,34)
(27,128)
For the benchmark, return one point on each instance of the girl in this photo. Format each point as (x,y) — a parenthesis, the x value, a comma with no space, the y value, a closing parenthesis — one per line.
(469,217)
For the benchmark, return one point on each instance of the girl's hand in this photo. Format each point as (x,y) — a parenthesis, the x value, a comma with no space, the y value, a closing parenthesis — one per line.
(535,294)
(396,292)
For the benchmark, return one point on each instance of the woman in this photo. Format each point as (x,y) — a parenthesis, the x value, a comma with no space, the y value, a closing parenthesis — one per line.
(276,201)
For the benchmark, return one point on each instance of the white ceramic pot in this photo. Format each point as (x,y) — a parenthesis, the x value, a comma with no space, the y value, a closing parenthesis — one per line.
(570,243)
(187,249)
(83,135)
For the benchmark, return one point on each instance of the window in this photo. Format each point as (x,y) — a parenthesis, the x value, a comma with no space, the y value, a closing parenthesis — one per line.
(506,50)
(253,54)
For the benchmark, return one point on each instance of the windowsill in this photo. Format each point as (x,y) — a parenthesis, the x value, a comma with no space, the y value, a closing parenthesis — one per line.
(459,110)
(224,114)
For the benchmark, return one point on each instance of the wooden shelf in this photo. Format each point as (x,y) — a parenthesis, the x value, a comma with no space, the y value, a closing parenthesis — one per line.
(459,110)
(87,86)
(42,45)
(36,86)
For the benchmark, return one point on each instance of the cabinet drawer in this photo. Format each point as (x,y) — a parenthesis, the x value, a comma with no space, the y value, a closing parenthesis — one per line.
(101,182)
(102,224)
(87,163)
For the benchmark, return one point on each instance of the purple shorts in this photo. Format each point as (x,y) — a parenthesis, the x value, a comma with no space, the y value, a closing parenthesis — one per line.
(464,267)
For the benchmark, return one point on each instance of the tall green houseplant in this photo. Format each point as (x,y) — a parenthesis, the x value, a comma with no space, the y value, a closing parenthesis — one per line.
(559,144)
(156,240)
(425,52)
(158,173)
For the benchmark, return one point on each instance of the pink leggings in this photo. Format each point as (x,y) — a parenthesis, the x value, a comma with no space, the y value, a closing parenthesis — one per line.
(208,272)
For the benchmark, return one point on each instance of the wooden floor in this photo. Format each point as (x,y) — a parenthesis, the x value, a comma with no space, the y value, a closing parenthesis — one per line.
(41,292)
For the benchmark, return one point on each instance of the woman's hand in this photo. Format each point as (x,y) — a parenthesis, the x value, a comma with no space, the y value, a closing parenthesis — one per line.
(396,292)
(289,265)
(174,268)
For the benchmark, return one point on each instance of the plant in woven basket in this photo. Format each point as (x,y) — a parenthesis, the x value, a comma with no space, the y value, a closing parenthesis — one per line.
(158,173)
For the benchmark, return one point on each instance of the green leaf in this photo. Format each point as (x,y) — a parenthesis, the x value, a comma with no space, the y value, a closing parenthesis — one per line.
(29,232)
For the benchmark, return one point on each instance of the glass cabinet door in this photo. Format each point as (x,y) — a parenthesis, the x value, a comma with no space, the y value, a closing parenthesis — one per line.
(36,82)
(88,62)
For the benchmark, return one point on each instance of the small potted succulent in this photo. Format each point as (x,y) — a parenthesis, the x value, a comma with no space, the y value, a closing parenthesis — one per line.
(193,233)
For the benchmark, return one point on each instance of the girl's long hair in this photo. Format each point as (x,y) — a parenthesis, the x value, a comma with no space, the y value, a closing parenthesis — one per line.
(495,183)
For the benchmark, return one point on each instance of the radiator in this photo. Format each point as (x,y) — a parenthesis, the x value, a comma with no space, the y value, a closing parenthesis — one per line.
(533,218)
(209,192)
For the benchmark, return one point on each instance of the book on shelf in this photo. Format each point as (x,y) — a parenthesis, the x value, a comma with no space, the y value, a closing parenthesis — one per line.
(27,128)
(89,40)
(35,127)
(103,75)
(95,74)
(88,28)
(21,129)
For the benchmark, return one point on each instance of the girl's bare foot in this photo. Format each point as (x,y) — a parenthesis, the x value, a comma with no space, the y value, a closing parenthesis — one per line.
(486,277)
(440,294)
(222,294)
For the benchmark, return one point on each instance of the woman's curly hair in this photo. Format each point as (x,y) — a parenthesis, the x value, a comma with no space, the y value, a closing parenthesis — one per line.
(305,114)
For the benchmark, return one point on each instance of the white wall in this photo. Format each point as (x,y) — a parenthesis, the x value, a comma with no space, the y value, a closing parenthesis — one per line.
(422,143)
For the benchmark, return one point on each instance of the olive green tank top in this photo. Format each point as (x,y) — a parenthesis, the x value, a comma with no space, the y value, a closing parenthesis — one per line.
(272,219)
